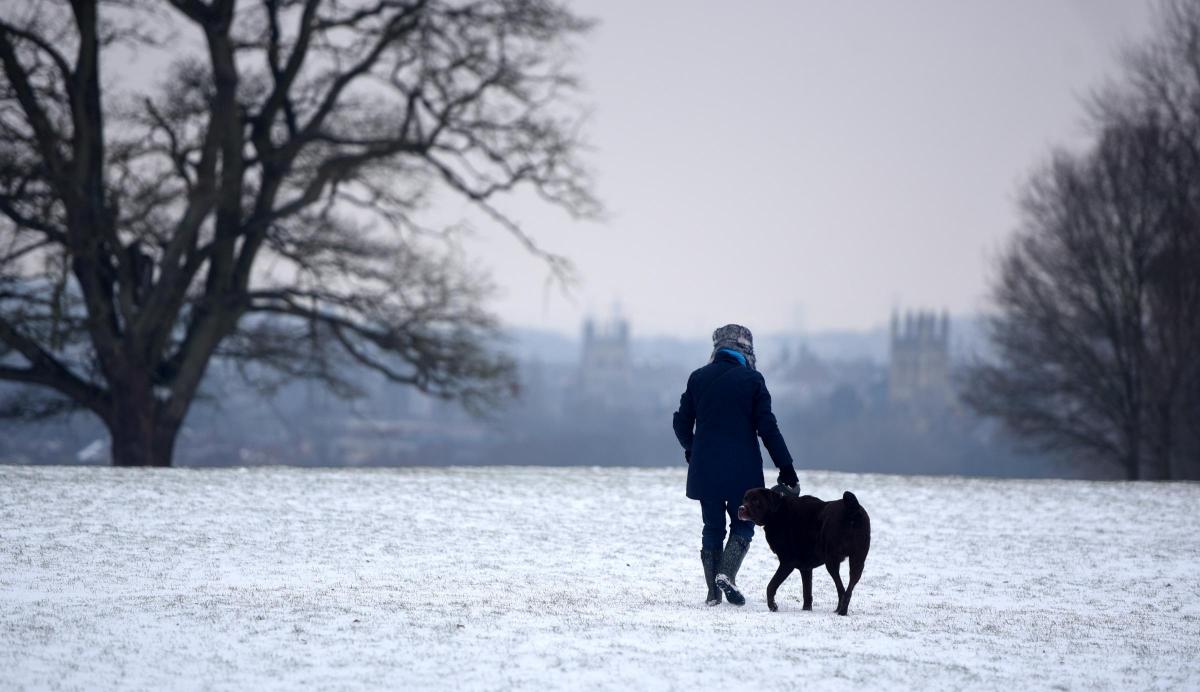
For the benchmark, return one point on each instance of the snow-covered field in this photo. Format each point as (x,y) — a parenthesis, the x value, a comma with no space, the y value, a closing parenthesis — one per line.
(534,578)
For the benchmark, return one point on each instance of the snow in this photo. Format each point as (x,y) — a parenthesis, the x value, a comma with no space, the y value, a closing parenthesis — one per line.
(556,578)
(96,452)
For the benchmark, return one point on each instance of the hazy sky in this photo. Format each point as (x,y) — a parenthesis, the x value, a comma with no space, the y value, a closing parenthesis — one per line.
(786,164)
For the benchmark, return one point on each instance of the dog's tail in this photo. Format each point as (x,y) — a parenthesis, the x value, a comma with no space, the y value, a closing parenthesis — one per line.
(854,511)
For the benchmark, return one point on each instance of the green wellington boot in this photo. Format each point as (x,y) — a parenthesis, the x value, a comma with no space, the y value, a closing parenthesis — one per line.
(711,560)
(731,561)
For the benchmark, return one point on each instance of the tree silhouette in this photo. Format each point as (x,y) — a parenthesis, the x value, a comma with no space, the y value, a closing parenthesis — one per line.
(261,202)
(1097,324)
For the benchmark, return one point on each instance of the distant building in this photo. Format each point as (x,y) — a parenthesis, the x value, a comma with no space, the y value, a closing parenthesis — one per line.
(919,363)
(605,366)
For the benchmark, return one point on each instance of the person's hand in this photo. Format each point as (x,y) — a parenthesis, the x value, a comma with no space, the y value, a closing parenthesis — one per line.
(787,476)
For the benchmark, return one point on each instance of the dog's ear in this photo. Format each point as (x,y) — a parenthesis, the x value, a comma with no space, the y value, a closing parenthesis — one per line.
(774,502)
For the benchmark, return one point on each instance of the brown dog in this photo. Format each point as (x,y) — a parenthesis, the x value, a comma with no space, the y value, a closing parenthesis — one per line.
(805,532)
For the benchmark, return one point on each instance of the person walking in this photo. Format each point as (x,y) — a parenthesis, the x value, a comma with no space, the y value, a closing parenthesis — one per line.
(722,413)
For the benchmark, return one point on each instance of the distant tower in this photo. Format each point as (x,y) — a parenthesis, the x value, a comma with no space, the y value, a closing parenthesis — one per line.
(605,368)
(919,368)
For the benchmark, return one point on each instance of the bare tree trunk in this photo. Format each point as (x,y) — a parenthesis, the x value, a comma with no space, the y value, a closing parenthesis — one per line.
(140,434)
(1133,461)
(1166,442)
(136,443)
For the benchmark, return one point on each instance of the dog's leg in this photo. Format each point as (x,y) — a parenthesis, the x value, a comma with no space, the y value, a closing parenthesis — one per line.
(806,575)
(856,568)
(833,566)
(780,574)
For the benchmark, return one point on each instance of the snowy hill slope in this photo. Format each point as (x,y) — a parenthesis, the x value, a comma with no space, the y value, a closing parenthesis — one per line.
(535,578)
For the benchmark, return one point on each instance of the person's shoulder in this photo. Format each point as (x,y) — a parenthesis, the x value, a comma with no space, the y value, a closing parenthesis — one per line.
(754,380)
(756,377)
(706,372)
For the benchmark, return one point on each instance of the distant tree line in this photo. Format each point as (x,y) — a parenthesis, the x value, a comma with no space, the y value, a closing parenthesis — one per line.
(1096,328)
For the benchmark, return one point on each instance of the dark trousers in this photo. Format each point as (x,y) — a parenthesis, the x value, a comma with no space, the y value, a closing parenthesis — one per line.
(713,513)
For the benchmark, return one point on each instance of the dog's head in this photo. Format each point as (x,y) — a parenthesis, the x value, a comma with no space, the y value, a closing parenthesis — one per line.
(759,504)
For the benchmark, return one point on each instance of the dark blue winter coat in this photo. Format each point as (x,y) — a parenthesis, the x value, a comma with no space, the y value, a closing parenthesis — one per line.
(724,411)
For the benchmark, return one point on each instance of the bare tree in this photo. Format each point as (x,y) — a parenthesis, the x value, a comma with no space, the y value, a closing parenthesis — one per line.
(1098,297)
(260,203)
(1164,86)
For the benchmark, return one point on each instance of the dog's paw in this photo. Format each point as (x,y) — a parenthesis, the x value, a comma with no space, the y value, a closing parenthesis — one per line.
(773,607)
(806,606)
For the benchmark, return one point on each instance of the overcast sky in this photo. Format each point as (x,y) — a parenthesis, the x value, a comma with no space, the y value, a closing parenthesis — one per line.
(809,164)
